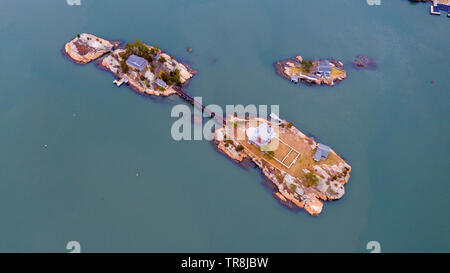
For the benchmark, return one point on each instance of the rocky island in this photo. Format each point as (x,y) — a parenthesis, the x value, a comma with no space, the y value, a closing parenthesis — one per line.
(311,71)
(146,68)
(303,173)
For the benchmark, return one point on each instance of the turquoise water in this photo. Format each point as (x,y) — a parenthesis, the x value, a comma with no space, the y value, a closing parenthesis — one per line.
(82,160)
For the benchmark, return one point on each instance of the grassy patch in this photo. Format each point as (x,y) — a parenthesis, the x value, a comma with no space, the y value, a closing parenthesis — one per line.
(336,72)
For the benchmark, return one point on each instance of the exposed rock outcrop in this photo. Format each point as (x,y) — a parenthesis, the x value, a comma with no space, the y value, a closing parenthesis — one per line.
(364,62)
(86,47)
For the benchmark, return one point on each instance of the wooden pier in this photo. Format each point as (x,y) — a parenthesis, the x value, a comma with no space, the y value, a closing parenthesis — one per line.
(434,12)
(440,5)
(185,97)
(121,81)
(188,98)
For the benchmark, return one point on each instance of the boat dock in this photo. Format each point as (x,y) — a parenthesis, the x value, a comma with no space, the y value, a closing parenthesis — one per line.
(440,5)
(121,81)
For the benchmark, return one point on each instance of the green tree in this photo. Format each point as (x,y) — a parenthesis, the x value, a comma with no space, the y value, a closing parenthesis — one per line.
(311,179)
(175,77)
(307,65)
(162,59)
(292,187)
(124,66)
(166,78)
(269,154)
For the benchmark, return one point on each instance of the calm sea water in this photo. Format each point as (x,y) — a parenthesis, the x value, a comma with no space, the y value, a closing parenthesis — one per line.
(82,160)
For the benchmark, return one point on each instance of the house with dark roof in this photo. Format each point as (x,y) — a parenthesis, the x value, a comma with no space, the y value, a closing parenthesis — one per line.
(324,69)
(321,152)
(137,62)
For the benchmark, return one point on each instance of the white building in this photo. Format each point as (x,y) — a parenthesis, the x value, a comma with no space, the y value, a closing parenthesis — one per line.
(260,135)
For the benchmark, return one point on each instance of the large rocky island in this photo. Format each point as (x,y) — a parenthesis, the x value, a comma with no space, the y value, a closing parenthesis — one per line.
(146,68)
(311,71)
(303,173)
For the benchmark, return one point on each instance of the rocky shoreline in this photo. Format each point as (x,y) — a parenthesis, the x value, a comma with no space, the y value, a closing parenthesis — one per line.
(292,189)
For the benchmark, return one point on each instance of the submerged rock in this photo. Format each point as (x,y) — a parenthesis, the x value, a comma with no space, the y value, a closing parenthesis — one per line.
(364,62)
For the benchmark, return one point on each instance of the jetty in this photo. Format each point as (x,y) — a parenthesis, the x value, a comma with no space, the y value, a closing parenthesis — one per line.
(440,5)
(121,81)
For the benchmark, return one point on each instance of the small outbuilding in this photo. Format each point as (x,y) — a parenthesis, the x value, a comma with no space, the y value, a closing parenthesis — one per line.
(161,83)
(321,152)
(137,62)
(294,78)
(275,119)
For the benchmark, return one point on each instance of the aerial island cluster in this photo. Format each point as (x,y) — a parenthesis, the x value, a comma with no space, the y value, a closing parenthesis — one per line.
(303,173)
(311,71)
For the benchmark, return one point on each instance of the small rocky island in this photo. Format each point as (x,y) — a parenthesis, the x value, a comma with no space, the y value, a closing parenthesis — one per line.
(303,173)
(311,71)
(86,48)
(146,68)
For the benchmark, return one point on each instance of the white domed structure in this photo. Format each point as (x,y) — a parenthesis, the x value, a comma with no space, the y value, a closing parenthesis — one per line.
(260,135)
